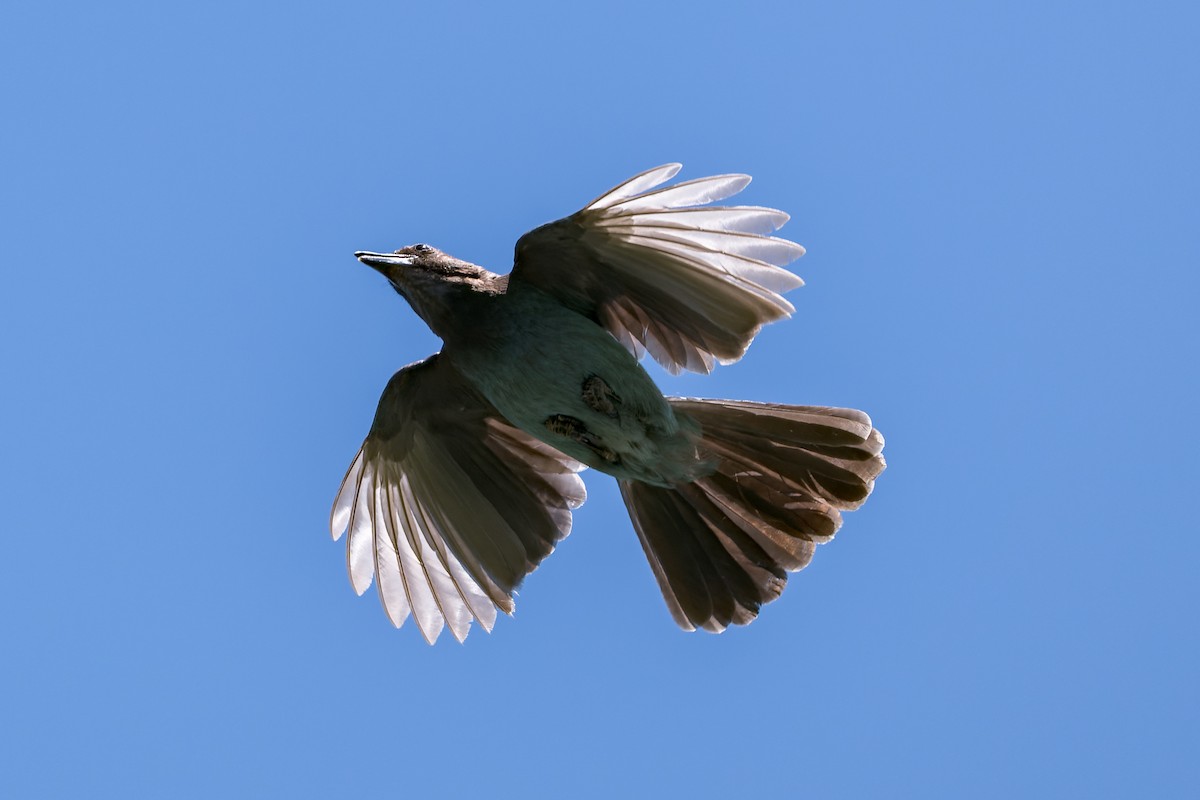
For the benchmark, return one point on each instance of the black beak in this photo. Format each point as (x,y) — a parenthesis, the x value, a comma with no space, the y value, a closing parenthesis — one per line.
(383,261)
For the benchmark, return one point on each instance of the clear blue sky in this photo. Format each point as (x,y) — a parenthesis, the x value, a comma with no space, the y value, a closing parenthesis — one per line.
(1000,206)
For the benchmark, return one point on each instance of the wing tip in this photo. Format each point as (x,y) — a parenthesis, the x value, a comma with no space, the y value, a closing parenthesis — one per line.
(343,502)
(631,187)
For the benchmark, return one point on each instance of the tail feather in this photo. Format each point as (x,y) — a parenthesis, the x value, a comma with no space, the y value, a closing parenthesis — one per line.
(706,565)
(721,546)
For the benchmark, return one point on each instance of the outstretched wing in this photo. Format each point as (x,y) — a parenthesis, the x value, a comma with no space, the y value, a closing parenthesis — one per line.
(664,272)
(448,504)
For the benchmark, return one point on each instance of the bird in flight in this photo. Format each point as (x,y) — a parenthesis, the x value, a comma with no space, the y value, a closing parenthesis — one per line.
(470,471)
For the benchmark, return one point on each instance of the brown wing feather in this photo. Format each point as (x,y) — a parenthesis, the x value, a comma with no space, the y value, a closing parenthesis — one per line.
(448,504)
(691,284)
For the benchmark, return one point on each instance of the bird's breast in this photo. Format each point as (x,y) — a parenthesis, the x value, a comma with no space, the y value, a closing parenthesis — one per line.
(565,380)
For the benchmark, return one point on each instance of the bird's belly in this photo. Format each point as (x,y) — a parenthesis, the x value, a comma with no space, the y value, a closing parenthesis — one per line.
(565,380)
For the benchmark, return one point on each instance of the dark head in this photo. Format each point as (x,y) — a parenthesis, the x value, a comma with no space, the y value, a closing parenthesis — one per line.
(436,285)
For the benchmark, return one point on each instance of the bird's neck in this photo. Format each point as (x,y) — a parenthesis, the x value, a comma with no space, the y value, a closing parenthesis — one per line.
(458,312)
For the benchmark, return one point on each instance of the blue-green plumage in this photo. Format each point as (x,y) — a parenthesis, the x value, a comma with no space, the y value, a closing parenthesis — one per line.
(531,356)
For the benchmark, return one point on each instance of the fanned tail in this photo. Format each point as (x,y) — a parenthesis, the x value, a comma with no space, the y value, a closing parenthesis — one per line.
(721,546)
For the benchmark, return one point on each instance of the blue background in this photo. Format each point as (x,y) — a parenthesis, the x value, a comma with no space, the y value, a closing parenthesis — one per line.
(1000,206)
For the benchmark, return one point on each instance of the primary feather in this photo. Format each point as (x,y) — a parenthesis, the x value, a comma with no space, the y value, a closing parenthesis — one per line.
(448,506)
(665,273)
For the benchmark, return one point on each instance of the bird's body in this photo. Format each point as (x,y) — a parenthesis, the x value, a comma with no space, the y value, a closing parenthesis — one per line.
(468,476)
(563,379)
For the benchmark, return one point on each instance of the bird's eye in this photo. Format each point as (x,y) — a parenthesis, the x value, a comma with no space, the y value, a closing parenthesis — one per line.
(422,248)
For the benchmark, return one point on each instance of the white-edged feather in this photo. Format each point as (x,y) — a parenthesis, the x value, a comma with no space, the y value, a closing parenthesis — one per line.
(710,255)
(666,273)
(448,488)
(636,185)
(454,598)
(765,249)
(696,192)
(339,518)
(725,268)
(742,219)
(558,470)
(393,593)
(440,539)
(438,518)
(425,610)
(359,545)
(482,598)
(450,605)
